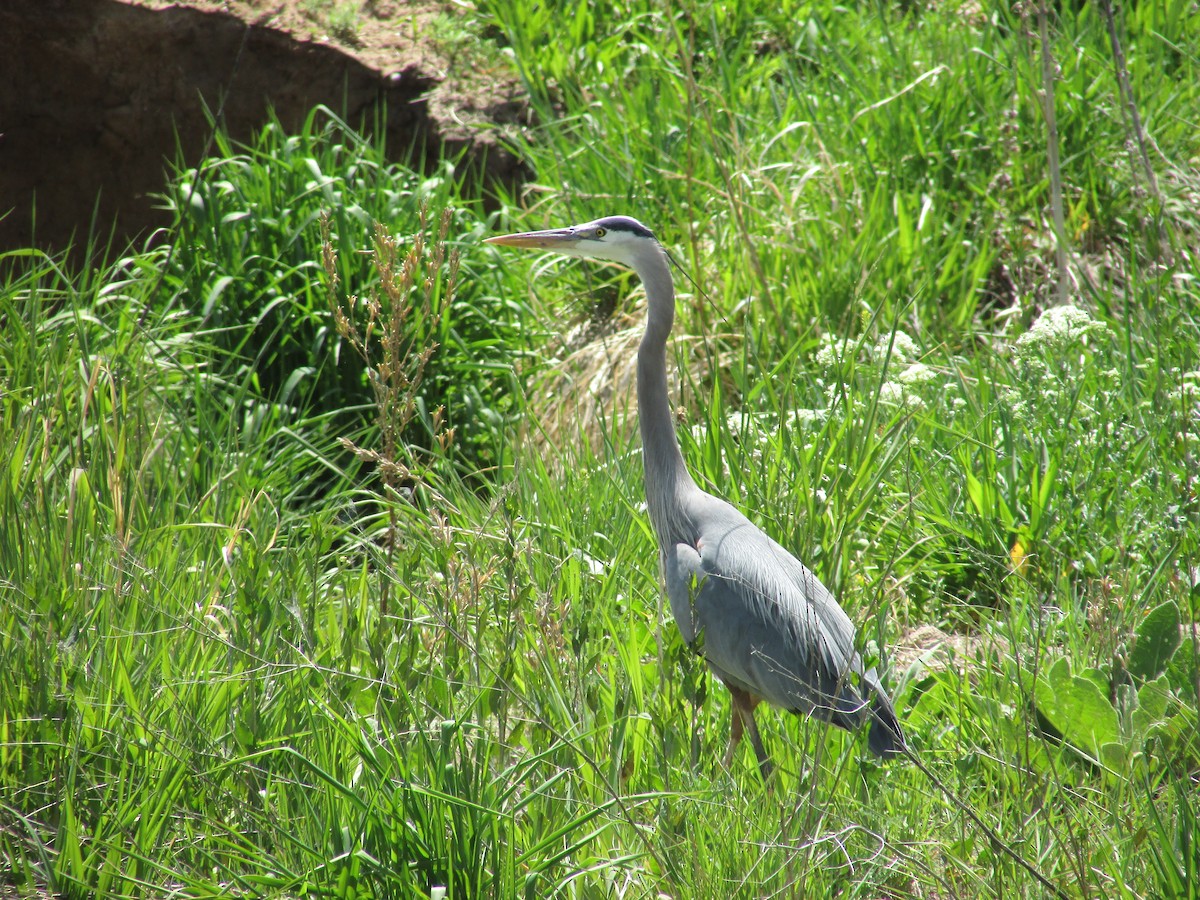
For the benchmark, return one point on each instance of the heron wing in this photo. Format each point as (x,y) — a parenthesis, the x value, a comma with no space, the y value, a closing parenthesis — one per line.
(683,574)
(770,626)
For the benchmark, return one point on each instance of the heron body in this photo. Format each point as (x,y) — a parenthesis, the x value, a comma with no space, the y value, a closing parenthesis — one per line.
(766,626)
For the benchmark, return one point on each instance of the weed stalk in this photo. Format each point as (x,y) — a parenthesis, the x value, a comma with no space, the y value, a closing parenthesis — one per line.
(392,330)
(1049,72)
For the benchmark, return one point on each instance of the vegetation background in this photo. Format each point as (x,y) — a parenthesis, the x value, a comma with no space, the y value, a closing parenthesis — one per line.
(323,561)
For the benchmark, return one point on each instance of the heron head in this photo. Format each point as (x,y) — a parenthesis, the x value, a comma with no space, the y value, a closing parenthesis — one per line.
(615,238)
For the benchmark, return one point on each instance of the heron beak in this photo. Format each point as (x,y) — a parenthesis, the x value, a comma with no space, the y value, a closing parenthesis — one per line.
(555,239)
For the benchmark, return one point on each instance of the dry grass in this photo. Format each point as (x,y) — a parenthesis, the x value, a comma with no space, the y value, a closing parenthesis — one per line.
(590,395)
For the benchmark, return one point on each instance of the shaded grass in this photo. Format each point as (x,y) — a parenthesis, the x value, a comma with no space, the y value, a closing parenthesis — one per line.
(248,260)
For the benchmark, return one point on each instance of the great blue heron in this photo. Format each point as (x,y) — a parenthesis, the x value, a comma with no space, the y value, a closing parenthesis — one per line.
(766,625)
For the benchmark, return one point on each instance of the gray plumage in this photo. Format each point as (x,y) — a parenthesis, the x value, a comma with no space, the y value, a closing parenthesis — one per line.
(766,626)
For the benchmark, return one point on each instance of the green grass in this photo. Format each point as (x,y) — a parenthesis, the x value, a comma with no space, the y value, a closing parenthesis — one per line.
(342,18)
(243,659)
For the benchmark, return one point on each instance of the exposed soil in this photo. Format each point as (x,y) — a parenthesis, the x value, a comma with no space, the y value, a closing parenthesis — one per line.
(98,96)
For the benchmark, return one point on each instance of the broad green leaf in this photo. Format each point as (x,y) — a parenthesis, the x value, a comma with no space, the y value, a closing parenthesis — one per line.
(1096,677)
(1078,709)
(1153,699)
(1157,639)
(1114,756)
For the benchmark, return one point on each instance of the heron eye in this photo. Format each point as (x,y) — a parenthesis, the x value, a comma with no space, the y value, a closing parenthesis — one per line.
(601,232)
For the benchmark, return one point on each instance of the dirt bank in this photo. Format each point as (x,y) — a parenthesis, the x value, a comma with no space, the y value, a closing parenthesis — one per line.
(96,95)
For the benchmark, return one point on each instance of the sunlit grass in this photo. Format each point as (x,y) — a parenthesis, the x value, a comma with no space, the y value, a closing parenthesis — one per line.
(205,695)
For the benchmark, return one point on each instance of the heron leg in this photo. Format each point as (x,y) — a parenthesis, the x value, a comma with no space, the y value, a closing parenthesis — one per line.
(735,733)
(743,721)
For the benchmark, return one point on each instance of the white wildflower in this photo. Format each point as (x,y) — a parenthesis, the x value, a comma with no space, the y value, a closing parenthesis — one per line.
(904,348)
(828,354)
(807,418)
(917,373)
(893,393)
(1057,326)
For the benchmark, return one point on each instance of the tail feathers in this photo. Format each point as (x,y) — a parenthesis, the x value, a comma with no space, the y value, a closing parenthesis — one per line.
(885,738)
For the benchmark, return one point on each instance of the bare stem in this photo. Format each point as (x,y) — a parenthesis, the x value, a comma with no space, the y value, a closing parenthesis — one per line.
(1056,198)
(1134,120)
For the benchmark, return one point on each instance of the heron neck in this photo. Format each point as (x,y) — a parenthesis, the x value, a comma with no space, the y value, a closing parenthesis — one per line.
(664,466)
